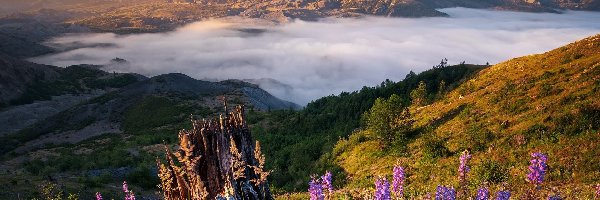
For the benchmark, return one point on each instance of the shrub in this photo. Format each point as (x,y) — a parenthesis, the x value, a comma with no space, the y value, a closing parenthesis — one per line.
(419,95)
(144,177)
(388,120)
(434,148)
(490,171)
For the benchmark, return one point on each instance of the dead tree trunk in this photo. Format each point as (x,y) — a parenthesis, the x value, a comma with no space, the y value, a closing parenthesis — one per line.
(217,159)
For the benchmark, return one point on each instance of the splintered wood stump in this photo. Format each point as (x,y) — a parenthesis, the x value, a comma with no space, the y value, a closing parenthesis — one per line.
(217,159)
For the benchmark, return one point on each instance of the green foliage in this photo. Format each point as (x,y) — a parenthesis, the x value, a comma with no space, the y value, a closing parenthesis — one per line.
(419,94)
(51,191)
(441,89)
(516,106)
(477,137)
(96,181)
(433,148)
(73,196)
(155,111)
(388,120)
(490,171)
(34,166)
(144,177)
(586,118)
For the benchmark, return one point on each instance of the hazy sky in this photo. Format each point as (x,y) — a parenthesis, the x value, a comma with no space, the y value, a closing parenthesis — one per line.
(316,59)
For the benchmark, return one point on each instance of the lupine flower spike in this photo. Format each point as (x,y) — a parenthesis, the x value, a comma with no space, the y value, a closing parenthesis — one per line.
(315,189)
(503,195)
(98,196)
(382,189)
(463,168)
(445,193)
(538,168)
(326,182)
(483,193)
(398,182)
(128,193)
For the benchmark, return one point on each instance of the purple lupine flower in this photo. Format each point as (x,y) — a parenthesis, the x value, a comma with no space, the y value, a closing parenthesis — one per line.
(503,195)
(483,193)
(125,187)
(326,181)
(398,182)
(445,193)
(538,168)
(131,196)
(463,168)
(382,189)
(128,193)
(315,189)
(555,197)
(98,196)
(439,192)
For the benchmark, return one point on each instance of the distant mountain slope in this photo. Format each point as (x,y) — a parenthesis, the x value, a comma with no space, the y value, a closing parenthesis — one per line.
(130,16)
(387,8)
(16,75)
(94,102)
(21,35)
(60,110)
(546,102)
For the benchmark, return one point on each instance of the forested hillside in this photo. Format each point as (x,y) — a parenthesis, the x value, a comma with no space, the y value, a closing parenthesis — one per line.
(297,140)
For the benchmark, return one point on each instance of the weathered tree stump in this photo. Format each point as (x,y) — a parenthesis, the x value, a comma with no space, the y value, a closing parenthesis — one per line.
(217,159)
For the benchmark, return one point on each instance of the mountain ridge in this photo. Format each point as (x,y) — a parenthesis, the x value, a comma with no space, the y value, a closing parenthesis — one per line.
(133,16)
(99,100)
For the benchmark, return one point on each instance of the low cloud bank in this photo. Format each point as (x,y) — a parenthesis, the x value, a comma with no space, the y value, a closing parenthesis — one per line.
(302,61)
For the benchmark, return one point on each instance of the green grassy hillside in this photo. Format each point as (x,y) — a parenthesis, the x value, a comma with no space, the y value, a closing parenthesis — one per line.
(546,102)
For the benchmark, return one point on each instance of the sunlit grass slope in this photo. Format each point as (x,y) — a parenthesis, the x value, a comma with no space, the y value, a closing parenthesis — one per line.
(547,102)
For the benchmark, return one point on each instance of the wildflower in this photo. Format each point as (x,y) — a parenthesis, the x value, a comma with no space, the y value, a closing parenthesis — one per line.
(483,193)
(445,193)
(538,168)
(382,189)
(128,193)
(503,195)
(315,189)
(326,181)
(463,168)
(555,197)
(98,196)
(398,182)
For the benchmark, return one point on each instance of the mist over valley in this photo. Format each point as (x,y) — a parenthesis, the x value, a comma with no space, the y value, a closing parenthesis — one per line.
(309,60)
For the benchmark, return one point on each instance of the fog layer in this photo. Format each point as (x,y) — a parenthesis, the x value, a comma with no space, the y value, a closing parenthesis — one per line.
(302,61)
